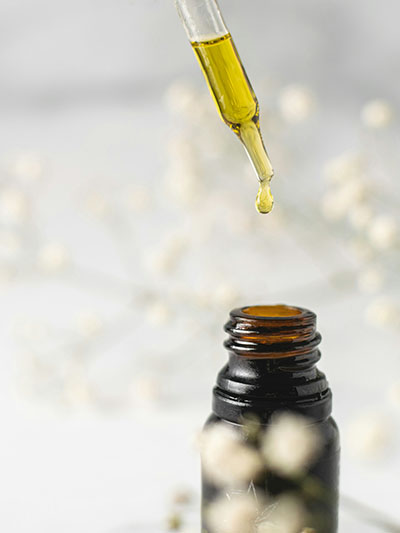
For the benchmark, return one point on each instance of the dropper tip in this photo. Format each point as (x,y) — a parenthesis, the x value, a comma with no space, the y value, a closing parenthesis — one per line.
(264,199)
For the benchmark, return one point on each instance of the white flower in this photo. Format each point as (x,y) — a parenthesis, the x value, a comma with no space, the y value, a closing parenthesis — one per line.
(382,312)
(180,97)
(227,460)
(202,297)
(383,232)
(89,323)
(362,249)
(183,175)
(165,259)
(180,147)
(235,515)
(97,204)
(77,391)
(145,389)
(354,191)
(6,275)
(369,435)
(28,167)
(225,294)
(174,521)
(296,103)
(290,444)
(360,215)
(53,257)
(343,199)
(31,330)
(394,395)
(182,496)
(242,222)
(285,515)
(370,280)
(158,313)
(14,206)
(183,182)
(344,168)
(138,198)
(10,245)
(333,207)
(377,114)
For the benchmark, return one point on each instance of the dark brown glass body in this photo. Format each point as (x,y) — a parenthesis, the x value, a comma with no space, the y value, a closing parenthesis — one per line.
(272,368)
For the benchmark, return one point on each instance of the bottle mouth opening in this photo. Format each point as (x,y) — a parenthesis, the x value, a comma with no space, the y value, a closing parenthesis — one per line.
(272,311)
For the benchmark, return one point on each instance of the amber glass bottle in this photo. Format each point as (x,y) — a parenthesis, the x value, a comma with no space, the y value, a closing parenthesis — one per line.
(273,352)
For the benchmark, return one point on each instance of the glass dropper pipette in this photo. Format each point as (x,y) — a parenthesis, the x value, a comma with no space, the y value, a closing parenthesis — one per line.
(228,84)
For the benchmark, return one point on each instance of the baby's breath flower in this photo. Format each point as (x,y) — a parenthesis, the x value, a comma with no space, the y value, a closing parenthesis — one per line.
(394,395)
(10,245)
(333,207)
(158,313)
(342,200)
(360,215)
(296,103)
(225,294)
(14,205)
(31,330)
(344,168)
(181,496)
(227,460)
(97,204)
(354,191)
(165,259)
(145,389)
(89,323)
(174,521)
(290,444)
(285,515)
(181,148)
(369,435)
(137,198)
(6,275)
(370,280)
(183,181)
(362,249)
(235,515)
(77,391)
(383,232)
(180,97)
(28,166)
(53,257)
(382,312)
(377,114)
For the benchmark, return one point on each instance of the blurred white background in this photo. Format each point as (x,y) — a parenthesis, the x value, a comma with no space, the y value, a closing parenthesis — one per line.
(128,232)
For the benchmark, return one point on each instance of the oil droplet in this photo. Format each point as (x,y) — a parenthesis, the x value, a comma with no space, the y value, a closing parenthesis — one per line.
(264,200)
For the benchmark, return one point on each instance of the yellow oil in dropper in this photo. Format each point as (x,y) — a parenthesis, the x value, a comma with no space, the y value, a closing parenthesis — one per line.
(237,105)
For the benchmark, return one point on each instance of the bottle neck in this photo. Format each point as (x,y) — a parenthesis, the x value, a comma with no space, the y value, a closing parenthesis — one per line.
(272,365)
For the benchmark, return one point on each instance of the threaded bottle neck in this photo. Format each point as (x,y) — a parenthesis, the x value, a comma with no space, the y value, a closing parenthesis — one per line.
(271,331)
(272,365)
